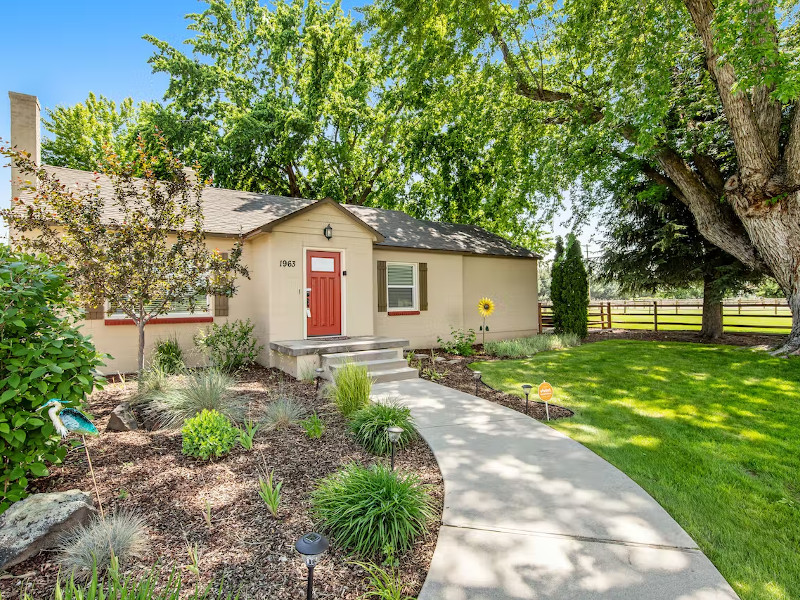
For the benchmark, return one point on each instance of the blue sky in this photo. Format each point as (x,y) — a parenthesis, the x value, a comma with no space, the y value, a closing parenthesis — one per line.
(60,50)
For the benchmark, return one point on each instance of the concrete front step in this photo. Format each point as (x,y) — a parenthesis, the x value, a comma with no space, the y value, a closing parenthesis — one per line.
(339,358)
(383,365)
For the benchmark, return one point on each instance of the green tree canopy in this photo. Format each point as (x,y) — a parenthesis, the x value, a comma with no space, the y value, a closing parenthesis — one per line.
(703,94)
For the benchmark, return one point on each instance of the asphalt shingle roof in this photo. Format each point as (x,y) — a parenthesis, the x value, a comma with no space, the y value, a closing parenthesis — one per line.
(231,212)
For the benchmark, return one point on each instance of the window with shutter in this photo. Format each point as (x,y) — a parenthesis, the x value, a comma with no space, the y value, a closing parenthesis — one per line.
(401,286)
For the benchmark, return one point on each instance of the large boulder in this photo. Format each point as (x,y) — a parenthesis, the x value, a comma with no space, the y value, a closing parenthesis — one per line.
(122,419)
(37,523)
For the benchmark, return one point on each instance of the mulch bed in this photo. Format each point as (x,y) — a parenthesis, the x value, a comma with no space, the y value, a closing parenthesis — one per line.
(731,339)
(252,552)
(454,373)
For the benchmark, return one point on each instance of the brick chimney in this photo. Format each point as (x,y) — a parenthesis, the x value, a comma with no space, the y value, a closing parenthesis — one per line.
(25,134)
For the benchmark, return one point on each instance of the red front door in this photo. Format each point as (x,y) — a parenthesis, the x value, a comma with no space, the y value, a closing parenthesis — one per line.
(323,293)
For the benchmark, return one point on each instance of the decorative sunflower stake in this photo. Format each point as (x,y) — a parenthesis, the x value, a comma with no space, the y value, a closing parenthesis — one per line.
(485,309)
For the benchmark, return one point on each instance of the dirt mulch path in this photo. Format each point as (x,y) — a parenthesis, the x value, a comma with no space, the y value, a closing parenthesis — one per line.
(145,472)
(454,372)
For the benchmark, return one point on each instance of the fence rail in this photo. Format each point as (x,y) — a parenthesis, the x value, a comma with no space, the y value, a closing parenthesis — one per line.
(764,315)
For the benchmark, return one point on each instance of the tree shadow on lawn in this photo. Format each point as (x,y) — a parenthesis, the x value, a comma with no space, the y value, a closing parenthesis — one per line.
(708,431)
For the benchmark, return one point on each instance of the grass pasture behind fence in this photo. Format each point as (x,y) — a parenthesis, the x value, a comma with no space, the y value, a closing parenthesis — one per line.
(763,315)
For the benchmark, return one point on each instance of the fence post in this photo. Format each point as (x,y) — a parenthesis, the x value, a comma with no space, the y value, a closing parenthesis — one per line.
(540,317)
(655,315)
(740,306)
(609,314)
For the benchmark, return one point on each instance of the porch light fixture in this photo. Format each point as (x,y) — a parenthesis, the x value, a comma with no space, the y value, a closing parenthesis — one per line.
(319,371)
(394,436)
(328,232)
(476,375)
(311,546)
(527,389)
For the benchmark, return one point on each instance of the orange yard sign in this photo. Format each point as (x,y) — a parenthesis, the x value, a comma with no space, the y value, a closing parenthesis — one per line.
(545,391)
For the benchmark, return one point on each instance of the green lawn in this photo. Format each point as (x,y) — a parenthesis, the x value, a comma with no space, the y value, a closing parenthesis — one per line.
(711,432)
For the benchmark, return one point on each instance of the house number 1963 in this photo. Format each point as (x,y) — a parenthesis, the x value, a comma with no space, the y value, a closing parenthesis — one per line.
(287,263)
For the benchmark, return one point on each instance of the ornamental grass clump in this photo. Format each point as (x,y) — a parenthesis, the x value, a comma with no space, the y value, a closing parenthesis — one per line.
(351,388)
(208,435)
(283,412)
(90,547)
(368,510)
(369,425)
(204,389)
(523,347)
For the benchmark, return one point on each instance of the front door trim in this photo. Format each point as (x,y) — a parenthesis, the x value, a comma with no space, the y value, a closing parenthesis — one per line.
(343,287)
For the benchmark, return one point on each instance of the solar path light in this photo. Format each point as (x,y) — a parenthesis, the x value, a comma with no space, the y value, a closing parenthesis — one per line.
(311,546)
(319,371)
(476,375)
(527,389)
(394,436)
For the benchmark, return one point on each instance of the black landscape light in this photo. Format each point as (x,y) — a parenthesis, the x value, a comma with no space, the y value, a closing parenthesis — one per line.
(320,371)
(311,546)
(526,387)
(476,375)
(394,436)
(328,232)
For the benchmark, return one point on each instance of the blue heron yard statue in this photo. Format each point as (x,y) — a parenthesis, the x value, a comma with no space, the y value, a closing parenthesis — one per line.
(68,420)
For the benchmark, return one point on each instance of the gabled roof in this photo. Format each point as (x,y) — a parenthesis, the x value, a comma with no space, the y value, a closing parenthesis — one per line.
(233,212)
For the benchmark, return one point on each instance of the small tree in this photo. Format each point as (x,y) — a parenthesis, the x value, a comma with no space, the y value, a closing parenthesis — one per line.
(557,283)
(137,242)
(573,297)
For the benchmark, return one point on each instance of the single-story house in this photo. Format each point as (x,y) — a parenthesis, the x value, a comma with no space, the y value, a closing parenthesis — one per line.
(329,277)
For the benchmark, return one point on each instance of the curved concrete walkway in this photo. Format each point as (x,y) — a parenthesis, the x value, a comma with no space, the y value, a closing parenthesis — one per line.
(530,513)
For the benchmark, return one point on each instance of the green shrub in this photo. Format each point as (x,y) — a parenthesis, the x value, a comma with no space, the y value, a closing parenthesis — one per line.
(185,397)
(369,426)
(351,388)
(367,509)
(270,492)
(208,435)
(283,412)
(168,356)
(313,426)
(43,355)
(149,587)
(461,344)
(229,346)
(248,433)
(153,381)
(384,583)
(89,547)
(572,300)
(522,347)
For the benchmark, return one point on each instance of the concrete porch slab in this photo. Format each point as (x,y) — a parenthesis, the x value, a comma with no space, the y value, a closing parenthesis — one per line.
(330,346)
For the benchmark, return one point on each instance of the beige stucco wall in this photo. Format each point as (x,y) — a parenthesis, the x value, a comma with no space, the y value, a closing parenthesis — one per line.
(286,287)
(122,343)
(455,284)
(513,285)
(445,311)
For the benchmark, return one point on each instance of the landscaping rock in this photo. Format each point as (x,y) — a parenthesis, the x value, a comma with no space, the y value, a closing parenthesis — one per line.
(37,522)
(122,419)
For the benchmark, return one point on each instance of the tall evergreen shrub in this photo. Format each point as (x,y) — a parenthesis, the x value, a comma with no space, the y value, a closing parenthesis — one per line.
(573,295)
(557,284)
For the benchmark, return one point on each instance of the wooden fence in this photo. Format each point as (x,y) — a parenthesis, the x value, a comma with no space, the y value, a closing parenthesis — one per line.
(761,315)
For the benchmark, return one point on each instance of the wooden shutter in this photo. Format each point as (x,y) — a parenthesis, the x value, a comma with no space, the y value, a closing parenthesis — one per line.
(220,300)
(382,301)
(94,313)
(423,286)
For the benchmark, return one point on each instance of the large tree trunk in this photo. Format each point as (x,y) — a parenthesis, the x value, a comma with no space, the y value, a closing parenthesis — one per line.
(711,328)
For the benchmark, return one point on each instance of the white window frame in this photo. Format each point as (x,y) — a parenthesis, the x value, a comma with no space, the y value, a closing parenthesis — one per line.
(171,314)
(414,287)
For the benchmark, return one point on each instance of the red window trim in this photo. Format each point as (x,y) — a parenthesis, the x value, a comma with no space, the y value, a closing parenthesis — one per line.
(162,320)
(398,313)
